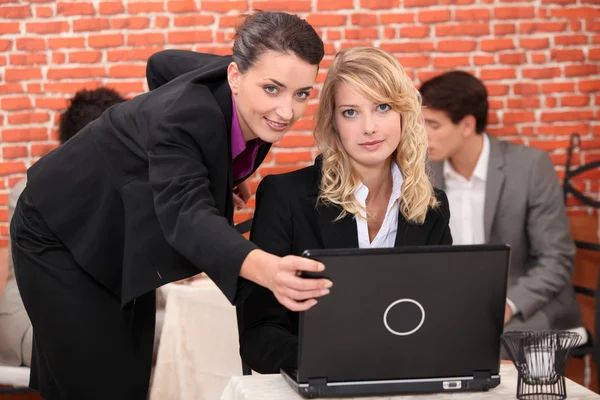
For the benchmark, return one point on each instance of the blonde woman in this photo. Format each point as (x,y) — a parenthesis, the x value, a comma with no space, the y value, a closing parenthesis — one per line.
(369,188)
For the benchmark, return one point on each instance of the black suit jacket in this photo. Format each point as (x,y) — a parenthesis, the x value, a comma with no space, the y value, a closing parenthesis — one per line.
(287,221)
(143,195)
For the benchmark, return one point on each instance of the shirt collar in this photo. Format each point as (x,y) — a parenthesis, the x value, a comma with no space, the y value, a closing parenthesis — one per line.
(481,168)
(362,191)
(238,144)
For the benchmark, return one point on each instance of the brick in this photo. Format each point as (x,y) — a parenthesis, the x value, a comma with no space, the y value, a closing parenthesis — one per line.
(432,17)
(14,152)
(50,103)
(326,20)
(496,89)
(594,54)
(465,29)
(15,103)
(513,117)
(138,54)
(225,21)
(10,88)
(24,135)
(484,60)
(571,40)
(581,70)
(293,158)
(592,26)
(70,87)
(541,73)
(59,58)
(397,18)
(34,88)
(346,45)
(534,44)
(44,28)
(334,5)
(538,58)
(146,7)
(290,6)
(296,141)
(44,12)
(181,6)
(495,104)
(474,14)
(66,43)
(407,47)
(420,3)
(6,45)
(504,29)
(15,12)
(514,12)
(379,4)
(69,8)
(495,45)
(414,32)
(551,102)
(562,87)
(10,168)
(556,116)
(111,8)
(225,6)
(513,58)
(503,131)
(22,74)
(144,39)
(361,34)
(543,27)
(364,19)
(567,55)
(419,61)
(451,62)
(265,171)
(459,46)
(76,73)
(85,57)
(198,20)
(31,44)
(130,23)
(192,37)
(91,25)
(575,101)
(28,59)
(576,13)
(9,27)
(127,71)
(28,118)
(105,41)
(388,33)
(589,86)
(126,87)
(524,102)
(489,74)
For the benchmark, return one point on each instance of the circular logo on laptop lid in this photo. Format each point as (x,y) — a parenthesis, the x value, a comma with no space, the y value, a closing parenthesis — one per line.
(404,317)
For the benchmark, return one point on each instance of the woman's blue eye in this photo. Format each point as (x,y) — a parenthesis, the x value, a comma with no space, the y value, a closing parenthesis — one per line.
(349,113)
(303,95)
(271,89)
(384,107)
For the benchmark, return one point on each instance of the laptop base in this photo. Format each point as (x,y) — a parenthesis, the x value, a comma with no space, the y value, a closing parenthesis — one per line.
(317,388)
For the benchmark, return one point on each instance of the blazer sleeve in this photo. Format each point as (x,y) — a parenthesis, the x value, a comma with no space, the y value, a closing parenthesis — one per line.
(267,338)
(184,204)
(164,66)
(552,250)
(440,234)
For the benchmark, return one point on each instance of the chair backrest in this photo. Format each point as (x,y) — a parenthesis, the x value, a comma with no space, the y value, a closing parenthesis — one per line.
(243,227)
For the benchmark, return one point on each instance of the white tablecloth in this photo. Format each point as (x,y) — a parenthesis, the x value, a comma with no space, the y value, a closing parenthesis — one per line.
(274,387)
(198,351)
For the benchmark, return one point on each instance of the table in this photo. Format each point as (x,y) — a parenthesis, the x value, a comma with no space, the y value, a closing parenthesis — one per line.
(274,387)
(198,351)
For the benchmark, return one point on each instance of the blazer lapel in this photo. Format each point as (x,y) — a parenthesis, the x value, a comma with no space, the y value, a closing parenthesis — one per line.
(493,187)
(410,234)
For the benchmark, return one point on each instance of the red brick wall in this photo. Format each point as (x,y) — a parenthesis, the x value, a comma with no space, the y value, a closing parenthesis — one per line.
(539,59)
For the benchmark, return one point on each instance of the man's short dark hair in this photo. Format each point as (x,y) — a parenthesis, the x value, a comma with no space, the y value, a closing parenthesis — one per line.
(458,94)
(85,106)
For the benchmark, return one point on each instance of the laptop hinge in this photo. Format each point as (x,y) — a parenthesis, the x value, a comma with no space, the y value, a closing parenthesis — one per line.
(482,374)
(317,382)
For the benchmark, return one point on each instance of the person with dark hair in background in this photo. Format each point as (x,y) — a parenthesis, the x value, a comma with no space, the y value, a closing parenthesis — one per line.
(15,328)
(149,201)
(503,193)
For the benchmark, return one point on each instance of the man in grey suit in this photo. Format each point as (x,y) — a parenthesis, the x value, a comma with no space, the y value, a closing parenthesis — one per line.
(503,193)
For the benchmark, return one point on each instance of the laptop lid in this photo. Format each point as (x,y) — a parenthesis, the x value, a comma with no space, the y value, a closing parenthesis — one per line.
(406,313)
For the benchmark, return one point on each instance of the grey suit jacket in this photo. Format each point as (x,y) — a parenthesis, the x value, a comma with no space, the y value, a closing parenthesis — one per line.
(524,208)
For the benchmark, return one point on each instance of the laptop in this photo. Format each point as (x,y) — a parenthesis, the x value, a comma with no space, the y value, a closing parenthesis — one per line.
(404,320)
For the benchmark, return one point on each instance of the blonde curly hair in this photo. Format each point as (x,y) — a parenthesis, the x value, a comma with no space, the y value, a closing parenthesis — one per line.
(378,76)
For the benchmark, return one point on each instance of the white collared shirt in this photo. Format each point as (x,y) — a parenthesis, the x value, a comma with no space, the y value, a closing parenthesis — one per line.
(386,237)
(467,199)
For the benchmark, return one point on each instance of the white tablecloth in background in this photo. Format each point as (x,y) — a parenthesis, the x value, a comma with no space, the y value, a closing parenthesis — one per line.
(199,350)
(274,387)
